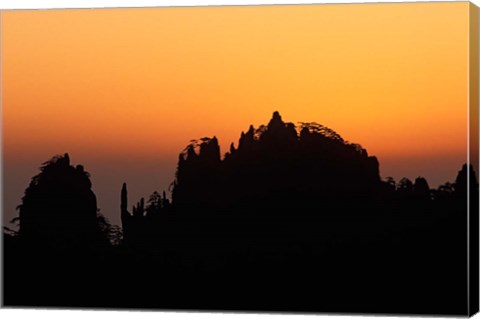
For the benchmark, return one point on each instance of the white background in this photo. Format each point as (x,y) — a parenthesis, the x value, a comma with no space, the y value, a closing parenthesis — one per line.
(46,4)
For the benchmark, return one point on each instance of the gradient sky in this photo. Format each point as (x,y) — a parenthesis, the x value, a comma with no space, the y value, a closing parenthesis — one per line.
(124,90)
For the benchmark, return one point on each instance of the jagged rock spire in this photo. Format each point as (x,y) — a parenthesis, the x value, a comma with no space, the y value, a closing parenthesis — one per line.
(276,121)
(124,214)
(210,150)
(124,198)
(59,204)
(66,159)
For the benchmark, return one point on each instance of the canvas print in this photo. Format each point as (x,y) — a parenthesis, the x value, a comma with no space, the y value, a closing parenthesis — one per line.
(280,158)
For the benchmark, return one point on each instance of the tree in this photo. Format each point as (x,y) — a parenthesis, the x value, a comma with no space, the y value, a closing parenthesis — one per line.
(112,232)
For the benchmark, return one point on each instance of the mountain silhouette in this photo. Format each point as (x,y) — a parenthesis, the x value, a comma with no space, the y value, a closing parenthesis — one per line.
(294,218)
(275,163)
(59,205)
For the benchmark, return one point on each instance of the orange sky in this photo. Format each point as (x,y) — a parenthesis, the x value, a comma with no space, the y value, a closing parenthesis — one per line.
(124,90)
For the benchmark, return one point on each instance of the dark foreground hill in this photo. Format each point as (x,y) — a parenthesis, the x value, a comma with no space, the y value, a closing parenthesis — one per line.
(293,219)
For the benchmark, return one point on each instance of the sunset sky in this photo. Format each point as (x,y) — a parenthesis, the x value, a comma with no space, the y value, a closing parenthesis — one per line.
(124,90)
